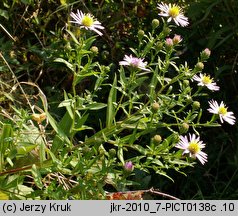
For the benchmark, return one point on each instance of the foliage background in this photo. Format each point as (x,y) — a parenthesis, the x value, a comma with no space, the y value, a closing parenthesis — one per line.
(37,27)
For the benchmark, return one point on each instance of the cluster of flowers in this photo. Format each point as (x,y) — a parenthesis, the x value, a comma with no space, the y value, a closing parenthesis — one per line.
(191,144)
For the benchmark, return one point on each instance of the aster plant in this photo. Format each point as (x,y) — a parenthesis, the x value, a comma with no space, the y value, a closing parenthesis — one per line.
(150,98)
(138,114)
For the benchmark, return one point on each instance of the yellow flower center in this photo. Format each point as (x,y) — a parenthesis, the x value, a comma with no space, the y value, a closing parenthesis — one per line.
(222,110)
(206,80)
(174,11)
(87,21)
(194,148)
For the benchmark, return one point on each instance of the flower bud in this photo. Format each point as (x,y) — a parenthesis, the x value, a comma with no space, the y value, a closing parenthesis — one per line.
(106,68)
(169,43)
(184,128)
(140,34)
(186,83)
(155,23)
(196,105)
(169,90)
(157,139)
(166,31)
(205,54)
(159,46)
(177,39)
(128,166)
(94,49)
(112,152)
(199,66)
(155,107)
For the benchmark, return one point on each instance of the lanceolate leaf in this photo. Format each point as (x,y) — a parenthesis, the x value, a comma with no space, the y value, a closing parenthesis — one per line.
(110,104)
(67,64)
(37,176)
(61,136)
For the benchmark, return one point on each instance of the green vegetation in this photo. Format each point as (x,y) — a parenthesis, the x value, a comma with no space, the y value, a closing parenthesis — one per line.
(88,109)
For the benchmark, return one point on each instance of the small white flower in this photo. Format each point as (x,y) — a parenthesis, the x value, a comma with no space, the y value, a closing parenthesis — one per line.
(221,110)
(205,80)
(86,21)
(134,62)
(193,146)
(174,12)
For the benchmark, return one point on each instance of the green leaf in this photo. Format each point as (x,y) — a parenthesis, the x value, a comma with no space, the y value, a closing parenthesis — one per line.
(5,142)
(65,103)
(42,152)
(110,104)
(9,161)
(12,181)
(80,121)
(67,64)
(148,47)
(139,81)
(88,43)
(123,80)
(133,136)
(199,115)
(120,154)
(82,74)
(4,14)
(69,106)
(93,106)
(180,162)
(157,162)
(27,2)
(53,157)
(56,127)
(6,138)
(153,85)
(139,149)
(23,191)
(160,172)
(61,129)
(37,176)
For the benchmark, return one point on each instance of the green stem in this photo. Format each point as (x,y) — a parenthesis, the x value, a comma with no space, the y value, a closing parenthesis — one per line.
(132,80)
(74,111)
